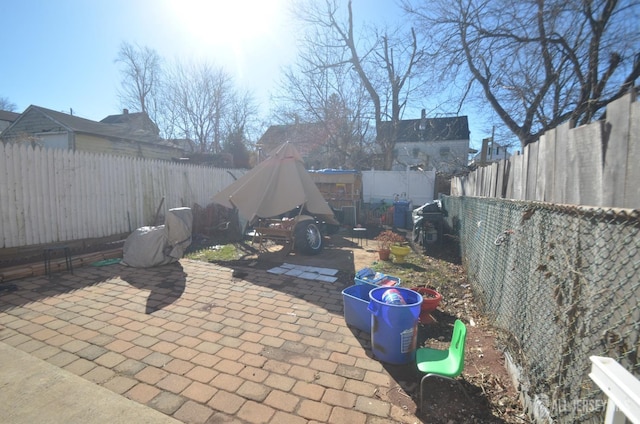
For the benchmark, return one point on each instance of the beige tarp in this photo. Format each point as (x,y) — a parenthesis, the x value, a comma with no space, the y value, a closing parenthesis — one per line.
(277,185)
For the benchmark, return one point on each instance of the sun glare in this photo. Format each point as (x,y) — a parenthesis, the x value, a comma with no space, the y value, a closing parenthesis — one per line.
(236,22)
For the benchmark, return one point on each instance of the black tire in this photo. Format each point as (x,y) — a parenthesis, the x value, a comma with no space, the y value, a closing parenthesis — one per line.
(308,238)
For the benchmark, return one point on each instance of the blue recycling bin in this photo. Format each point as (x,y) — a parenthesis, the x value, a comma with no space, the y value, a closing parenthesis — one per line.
(400,208)
(394,328)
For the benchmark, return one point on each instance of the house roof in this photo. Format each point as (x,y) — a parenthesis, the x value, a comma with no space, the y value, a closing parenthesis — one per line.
(77,124)
(5,115)
(305,136)
(136,121)
(435,129)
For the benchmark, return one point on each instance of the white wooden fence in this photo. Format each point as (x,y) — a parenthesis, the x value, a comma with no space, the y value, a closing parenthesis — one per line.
(592,165)
(418,187)
(53,195)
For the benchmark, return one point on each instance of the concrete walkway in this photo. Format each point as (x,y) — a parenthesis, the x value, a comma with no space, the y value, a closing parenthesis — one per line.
(34,391)
(189,342)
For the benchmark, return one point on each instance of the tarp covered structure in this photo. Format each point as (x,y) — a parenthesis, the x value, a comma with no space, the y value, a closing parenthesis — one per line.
(153,246)
(277,185)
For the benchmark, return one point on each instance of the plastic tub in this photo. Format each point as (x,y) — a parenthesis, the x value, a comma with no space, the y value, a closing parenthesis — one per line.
(394,328)
(356,302)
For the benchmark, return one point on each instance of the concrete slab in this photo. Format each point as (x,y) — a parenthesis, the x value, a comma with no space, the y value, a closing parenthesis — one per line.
(34,391)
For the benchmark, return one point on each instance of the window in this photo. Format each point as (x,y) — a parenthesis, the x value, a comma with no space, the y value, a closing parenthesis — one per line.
(444,151)
(416,152)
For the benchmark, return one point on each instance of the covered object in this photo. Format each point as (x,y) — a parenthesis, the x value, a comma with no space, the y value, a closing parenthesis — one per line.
(153,246)
(276,186)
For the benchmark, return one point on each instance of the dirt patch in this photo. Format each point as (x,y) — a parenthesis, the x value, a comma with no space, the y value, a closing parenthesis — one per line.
(492,397)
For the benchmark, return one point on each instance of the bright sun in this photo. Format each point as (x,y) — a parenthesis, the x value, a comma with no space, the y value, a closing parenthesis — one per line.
(234,23)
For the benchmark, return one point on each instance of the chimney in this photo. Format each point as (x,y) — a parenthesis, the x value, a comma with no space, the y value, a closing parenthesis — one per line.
(125,111)
(483,152)
(423,115)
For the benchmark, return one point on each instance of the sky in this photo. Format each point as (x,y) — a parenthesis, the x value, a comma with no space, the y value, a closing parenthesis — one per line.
(60,54)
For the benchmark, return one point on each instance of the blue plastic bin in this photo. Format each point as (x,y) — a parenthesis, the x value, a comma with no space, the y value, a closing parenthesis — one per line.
(400,208)
(394,328)
(356,302)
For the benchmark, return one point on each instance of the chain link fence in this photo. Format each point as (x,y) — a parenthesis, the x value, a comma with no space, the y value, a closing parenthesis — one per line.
(563,283)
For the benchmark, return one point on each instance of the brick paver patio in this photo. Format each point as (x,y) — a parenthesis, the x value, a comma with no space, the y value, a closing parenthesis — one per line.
(195,343)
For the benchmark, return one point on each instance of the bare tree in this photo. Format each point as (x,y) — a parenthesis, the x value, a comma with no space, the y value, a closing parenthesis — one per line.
(538,63)
(386,62)
(141,77)
(8,105)
(331,97)
(197,97)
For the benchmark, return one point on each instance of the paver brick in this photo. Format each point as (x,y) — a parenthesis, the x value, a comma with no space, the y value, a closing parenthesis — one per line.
(281,382)
(142,393)
(378,378)
(192,412)
(308,390)
(282,400)
(230,353)
(151,375)
(228,366)
(226,382)
(253,374)
(254,412)
(145,341)
(99,375)
(226,402)
(30,345)
(184,353)
(137,352)
(339,398)
(323,365)
(349,372)
(330,380)
(62,358)
(199,392)
(283,417)
(341,416)
(174,383)
(45,352)
(157,359)
(167,403)
(110,359)
(254,391)
(205,359)
(73,346)
(80,366)
(314,410)
(120,384)
(164,347)
(302,373)
(178,366)
(372,406)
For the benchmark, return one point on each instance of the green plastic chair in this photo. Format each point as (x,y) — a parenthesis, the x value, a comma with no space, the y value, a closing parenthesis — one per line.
(446,364)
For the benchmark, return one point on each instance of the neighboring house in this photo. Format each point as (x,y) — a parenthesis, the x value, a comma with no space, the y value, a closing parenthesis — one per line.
(59,130)
(7,118)
(431,144)
(489,153)
(308,139)
(138,123)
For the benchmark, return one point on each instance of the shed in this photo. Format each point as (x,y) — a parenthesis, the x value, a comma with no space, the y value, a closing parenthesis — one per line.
(342,189)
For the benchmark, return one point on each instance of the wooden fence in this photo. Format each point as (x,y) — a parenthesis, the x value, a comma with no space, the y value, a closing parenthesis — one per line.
(53,195)
(592,165)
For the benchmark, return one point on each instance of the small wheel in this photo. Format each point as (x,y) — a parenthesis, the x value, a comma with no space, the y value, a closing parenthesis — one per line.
(308,238)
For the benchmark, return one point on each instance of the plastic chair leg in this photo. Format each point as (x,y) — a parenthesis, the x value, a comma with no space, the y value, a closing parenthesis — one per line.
(444,377)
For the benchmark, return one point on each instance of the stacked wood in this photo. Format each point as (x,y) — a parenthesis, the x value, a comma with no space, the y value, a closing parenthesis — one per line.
(57,265)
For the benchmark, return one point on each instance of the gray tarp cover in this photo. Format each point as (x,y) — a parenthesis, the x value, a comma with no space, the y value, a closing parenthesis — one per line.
(152,246)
